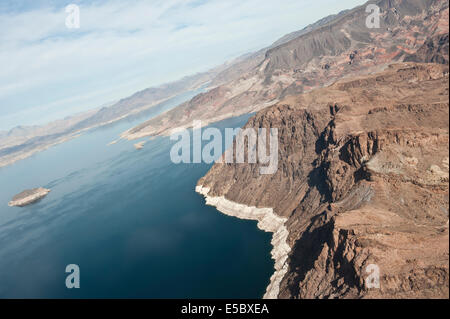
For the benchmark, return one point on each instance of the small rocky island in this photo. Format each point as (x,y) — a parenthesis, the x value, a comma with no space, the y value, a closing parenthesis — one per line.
(28,197)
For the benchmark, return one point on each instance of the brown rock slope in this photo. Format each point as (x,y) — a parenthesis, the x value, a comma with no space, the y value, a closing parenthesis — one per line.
(362,179)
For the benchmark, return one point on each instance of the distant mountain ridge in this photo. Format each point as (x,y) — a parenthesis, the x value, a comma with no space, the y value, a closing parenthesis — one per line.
(22,141)
(321,53)
(434,50)
(337,47)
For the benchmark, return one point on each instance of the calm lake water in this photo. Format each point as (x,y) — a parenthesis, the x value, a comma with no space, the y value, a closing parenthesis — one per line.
(130,219)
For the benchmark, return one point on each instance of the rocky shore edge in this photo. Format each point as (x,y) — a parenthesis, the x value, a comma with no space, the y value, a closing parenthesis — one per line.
(268,221)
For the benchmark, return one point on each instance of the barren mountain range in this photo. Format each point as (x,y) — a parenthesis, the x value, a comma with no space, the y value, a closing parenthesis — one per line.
(337,47)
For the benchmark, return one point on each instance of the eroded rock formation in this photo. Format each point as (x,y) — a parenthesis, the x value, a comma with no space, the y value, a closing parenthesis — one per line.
(362,179)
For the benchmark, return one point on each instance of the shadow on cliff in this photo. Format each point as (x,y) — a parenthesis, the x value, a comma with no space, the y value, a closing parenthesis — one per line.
(329,273)
(305,259)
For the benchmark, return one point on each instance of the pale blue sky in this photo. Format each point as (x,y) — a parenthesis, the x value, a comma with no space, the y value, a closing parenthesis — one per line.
(48,71)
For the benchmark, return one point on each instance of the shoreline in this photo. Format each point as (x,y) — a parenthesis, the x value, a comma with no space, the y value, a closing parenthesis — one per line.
(12,158)
(268,221)
(169,130)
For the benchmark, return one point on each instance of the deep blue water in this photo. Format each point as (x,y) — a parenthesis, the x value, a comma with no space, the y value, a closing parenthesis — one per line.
(130,219)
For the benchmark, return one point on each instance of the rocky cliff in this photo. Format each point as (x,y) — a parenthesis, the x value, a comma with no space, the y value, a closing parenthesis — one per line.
(362,180)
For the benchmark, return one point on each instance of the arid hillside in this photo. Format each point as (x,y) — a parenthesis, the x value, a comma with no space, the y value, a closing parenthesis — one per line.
(363,178)
(340,46)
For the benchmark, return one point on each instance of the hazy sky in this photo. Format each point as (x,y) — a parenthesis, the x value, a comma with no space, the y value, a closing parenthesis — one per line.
(48,71)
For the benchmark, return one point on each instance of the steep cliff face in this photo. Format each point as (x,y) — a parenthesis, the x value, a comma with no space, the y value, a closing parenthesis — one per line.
(362,179)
